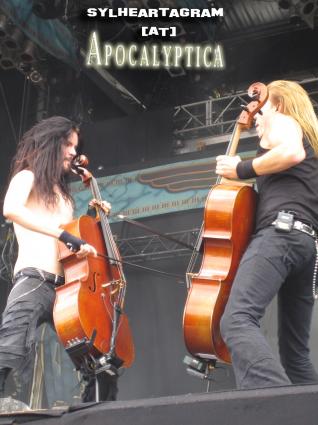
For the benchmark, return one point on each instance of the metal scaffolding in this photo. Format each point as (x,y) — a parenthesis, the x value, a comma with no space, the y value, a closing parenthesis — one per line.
(215,116)
(211,121)
(156,247)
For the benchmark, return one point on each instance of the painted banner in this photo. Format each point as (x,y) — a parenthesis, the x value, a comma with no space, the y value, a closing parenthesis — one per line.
(158,190)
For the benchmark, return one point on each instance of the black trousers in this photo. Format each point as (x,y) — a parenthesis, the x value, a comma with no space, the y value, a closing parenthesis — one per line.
(274,263)
(30,303)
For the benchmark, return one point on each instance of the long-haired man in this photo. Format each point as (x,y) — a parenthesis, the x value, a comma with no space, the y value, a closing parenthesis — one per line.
(38,202)
(282,255)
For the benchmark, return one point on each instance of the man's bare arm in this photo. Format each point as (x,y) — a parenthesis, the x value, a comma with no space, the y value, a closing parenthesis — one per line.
(284,141)
(14,207)
(284,138)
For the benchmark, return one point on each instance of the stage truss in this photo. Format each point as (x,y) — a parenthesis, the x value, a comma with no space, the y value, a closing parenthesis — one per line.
(198,125)
(154,247)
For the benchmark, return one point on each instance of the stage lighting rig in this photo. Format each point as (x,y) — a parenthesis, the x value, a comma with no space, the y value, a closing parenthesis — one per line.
(300,10)
(8,59)
(294,16)
(29,52)
(308,11)
(36,77)
(14,39)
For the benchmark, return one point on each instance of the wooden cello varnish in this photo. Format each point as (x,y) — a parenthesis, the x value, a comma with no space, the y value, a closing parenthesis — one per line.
(228,224)
(84,305)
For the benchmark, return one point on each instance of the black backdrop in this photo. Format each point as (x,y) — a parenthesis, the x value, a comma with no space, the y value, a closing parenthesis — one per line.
(135,139)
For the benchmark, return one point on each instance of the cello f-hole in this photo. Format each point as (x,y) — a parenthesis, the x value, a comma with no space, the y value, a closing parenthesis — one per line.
(93,287)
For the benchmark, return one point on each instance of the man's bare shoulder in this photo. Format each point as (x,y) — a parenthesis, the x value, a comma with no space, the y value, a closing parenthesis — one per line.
(24,176)
(20,187)
(288,122)
(283,130)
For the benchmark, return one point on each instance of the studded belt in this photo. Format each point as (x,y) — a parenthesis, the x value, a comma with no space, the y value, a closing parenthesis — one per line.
(302,227)
(56,279)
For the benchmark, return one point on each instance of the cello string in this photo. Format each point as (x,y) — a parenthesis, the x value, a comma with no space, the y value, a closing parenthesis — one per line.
(111,246)
(194,255)
(142,267)
(114,253)
(106,233)
(121,262)
(153,231)
(108,239)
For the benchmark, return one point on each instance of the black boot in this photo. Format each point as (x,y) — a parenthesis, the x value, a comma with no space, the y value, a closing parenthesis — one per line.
(4,372)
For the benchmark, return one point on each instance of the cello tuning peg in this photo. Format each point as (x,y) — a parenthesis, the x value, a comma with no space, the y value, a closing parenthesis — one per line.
(254,94)
(245,108)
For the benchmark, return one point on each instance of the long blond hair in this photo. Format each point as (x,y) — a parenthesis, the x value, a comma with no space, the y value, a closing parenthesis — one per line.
(294,101)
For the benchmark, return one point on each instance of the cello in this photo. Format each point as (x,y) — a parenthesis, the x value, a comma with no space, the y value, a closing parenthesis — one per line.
(88,311)
(226,230)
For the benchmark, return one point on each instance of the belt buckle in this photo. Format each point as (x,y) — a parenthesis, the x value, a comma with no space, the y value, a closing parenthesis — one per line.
(305,228)
(312,232)
(58,280)
(18,275)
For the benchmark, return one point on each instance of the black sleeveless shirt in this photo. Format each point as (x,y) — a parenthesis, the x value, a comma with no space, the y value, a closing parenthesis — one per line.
(295,189)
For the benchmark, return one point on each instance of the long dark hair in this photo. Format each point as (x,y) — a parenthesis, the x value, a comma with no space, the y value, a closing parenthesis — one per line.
(41,151)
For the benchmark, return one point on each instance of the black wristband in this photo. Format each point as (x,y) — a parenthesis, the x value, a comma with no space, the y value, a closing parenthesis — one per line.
(72,242)
(245,170)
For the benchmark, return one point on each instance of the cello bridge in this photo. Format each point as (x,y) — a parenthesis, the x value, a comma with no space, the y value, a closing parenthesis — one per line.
(116,285)
(111,283)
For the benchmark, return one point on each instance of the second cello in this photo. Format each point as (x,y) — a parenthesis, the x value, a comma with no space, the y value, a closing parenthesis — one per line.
(226,230)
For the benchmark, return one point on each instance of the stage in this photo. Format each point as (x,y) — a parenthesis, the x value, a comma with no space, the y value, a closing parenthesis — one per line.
(152,137)
(286,405)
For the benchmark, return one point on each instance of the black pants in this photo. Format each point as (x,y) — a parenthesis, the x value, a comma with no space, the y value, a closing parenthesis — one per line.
(30,303)
(274,263)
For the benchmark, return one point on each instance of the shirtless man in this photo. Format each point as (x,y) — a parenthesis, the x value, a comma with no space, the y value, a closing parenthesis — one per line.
(38,202)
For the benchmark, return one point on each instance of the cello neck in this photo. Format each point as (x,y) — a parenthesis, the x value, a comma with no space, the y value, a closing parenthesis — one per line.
(232,148)
(235,138)
(106,230)
(111,247)
(258,94)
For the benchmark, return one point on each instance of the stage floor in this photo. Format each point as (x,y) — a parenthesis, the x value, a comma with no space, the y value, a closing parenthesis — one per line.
(292,405)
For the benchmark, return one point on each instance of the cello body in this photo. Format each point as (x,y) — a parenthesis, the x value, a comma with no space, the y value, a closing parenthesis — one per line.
(228,225)
(229,217)
(84,304)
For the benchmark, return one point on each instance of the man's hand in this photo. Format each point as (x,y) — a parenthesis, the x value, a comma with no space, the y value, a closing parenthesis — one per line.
(226,166)
(85,250)
(77,245)
(103,205)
